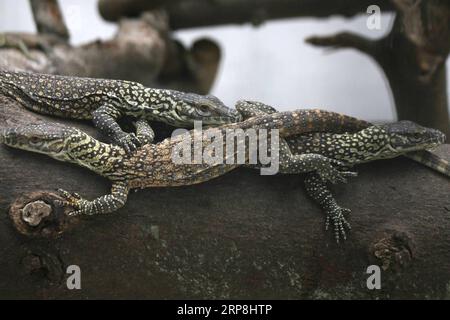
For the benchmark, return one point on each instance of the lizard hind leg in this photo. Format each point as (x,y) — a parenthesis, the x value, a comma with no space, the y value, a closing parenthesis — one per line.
(104,204)
(250,109)
(335,214)
(327,168)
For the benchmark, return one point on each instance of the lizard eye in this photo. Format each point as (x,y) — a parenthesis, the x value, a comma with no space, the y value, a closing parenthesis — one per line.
(204,110)
(35,140)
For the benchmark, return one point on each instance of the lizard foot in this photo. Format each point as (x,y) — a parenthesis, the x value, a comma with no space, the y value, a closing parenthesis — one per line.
(328,172)
(129,142)
(336,216)
(72,199)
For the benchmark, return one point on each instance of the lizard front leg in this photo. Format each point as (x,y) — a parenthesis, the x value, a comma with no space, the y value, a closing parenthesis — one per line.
(250,109)
(318,190)
(104,204)
(105,118)
(326,168)
(292,163)
(320,169)
(144,132)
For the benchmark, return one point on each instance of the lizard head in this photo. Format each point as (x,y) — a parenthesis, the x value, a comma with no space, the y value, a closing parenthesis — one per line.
(407,136)
(50,139)
(209,109)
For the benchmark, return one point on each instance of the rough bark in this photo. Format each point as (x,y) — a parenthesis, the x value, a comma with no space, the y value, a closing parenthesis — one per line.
(413,57)
(241,235)
(198,13)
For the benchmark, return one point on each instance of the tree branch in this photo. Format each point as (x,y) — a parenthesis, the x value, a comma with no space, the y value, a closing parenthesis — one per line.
(48,18)
(345,40)
(413,57)
(197,13)
(142,51)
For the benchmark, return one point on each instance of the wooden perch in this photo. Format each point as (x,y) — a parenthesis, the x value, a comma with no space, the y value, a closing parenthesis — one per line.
(198,13)
(345,40)
(241,235)
(413,57)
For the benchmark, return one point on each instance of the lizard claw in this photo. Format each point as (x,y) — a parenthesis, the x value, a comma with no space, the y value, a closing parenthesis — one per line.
(342,176)
(69,195)
(129,142)
(74,213)
(61,203)
(336,216)
(72,199)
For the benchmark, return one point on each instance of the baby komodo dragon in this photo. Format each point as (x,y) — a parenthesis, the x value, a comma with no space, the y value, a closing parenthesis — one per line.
(105,101)
(153,164)
(351,148)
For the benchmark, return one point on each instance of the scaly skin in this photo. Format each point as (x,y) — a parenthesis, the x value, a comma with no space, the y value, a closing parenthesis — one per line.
(252,108)
(105,101)
(372,143)
(153,165)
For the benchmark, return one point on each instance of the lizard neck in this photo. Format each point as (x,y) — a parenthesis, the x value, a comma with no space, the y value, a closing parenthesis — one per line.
(366,145)
(164,105)
(161,99)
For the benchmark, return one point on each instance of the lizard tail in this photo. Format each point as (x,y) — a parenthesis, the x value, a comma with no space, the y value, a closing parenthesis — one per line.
(304,120)
(430,160)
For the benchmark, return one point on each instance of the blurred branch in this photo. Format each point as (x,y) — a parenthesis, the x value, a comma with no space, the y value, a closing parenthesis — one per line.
(142,50)
(345,40)
(197,13)
(413,58)
(194,69)
(48,18)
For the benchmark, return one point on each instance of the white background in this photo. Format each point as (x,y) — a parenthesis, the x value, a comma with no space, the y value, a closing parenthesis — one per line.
(270,63)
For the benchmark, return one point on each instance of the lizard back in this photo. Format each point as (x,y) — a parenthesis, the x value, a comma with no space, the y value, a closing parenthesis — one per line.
(72,97)
(154,166)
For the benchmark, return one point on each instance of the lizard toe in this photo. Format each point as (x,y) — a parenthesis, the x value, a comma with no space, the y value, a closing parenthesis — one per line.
(340,223)
(74,213)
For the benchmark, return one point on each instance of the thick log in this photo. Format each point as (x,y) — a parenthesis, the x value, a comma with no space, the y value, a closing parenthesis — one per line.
(241,235)
(199,13)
